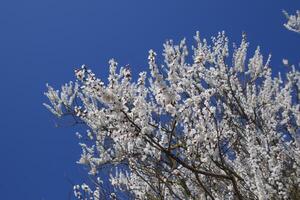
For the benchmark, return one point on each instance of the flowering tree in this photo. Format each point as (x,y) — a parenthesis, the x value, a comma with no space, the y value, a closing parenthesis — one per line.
(293,23)
(204,129)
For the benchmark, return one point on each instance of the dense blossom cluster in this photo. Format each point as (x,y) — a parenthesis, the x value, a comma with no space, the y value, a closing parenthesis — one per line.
(293,23)
(211,128)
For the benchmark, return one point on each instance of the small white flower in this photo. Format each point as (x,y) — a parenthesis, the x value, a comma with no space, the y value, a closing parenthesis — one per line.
(285,62)
(171,109)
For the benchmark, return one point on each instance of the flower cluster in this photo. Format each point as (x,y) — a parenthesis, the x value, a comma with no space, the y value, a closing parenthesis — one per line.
(293,23)
(211,128)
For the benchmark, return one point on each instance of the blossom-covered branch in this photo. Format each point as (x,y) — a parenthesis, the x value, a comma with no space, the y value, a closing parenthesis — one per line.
(217,127)
(293,23)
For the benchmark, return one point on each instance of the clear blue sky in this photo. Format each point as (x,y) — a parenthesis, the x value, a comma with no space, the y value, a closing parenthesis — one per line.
(43,41)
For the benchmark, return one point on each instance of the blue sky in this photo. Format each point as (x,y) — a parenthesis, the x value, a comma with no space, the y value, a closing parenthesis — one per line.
(44,41)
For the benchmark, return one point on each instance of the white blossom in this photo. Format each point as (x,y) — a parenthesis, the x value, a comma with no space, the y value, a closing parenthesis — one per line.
(293,23)
(213,128)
